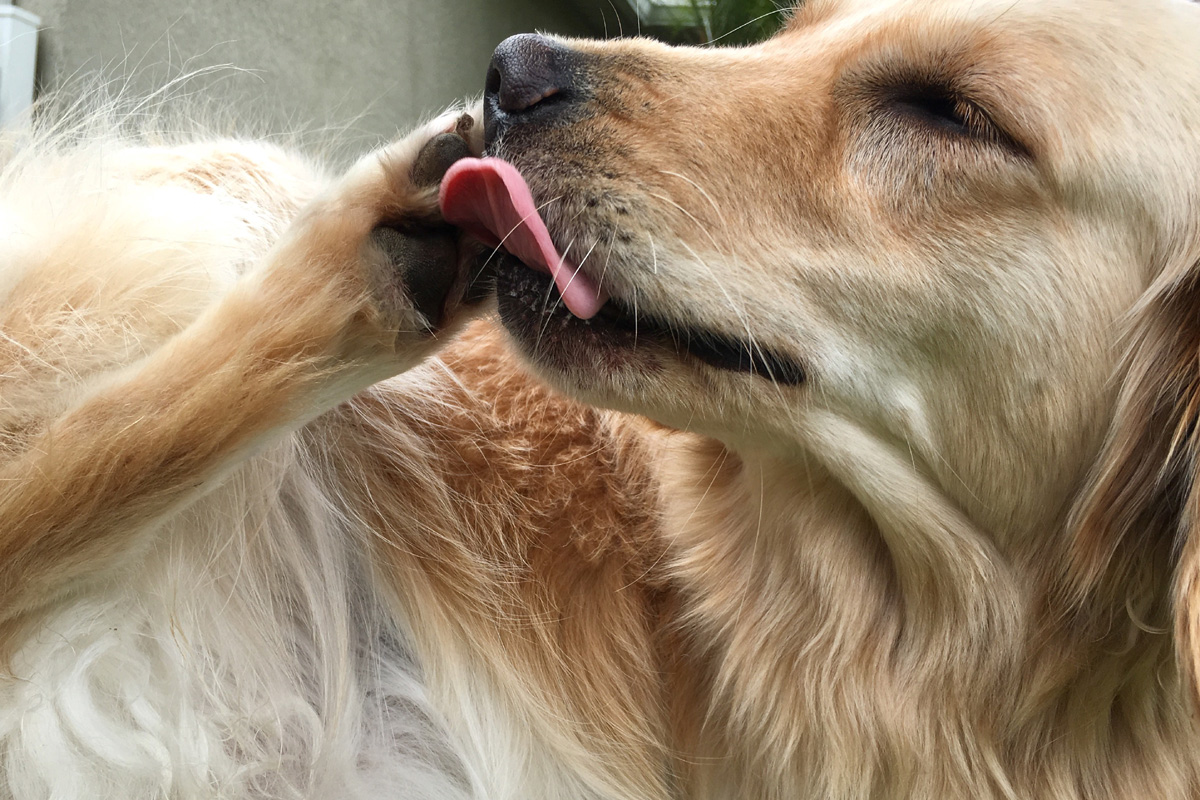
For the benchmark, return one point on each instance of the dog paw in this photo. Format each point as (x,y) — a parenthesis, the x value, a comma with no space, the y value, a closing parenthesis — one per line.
(370,266)
(422,252)
(416,266)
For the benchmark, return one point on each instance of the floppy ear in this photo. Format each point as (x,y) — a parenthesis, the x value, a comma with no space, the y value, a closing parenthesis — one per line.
(1139,520)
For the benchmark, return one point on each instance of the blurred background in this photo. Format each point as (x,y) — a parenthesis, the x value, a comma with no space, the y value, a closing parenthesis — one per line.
(353,70)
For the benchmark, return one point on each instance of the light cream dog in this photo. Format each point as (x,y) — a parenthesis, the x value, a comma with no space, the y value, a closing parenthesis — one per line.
(910,291)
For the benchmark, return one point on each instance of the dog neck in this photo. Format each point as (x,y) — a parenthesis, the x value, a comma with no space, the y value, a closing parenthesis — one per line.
(859,630)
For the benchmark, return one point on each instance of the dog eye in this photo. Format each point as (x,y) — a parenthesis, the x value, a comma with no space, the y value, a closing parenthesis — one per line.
(943,109)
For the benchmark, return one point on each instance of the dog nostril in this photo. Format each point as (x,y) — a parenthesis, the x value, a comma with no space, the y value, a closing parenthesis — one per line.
(516,102)
(492,84)
(526,70)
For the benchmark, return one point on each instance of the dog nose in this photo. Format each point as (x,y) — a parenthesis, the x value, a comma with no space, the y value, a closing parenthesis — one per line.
(526,70)
(530,77)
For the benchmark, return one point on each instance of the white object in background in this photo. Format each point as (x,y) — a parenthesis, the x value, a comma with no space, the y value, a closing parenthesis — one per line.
(18,60)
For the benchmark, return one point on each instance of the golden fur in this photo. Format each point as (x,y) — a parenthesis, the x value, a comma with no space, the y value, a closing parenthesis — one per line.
(959,560)
(956,560)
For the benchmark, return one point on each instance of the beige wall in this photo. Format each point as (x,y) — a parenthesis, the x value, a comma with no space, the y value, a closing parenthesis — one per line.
(376,65)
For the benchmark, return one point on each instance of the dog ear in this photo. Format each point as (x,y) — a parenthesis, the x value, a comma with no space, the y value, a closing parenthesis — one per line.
(1139,518)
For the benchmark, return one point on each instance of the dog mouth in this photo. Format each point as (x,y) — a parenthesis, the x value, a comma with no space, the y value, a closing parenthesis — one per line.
(540,292)
(532,310)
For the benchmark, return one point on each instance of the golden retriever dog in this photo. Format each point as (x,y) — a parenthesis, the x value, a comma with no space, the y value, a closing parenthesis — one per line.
(855,455)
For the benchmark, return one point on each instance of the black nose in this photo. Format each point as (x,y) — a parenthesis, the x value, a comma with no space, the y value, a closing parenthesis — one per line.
(530,78)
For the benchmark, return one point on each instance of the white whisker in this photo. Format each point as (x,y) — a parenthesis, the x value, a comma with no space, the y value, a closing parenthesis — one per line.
(733,306)
(700,225)
(607,259)
(556,295)
(521,222)
(744,25)
(703,193)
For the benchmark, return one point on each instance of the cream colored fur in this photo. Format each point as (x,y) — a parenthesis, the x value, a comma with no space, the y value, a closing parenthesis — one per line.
(228,568)
(958,560)
(263,534)
(188,609)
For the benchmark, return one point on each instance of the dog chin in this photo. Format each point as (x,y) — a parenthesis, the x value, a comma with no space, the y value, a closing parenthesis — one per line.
(601,357)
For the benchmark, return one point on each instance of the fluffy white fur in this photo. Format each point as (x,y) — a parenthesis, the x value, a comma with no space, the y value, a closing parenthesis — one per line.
(266,531)
(239,647)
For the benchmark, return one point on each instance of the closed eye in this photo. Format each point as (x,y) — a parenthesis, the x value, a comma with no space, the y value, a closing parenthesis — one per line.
(942,109)
(938,107)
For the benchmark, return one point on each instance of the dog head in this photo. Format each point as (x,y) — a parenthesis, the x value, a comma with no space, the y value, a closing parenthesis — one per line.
(930,240)
(923,222)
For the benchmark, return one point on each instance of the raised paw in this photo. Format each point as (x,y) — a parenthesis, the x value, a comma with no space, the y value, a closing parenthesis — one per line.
(413,254)
(425,256)
(378,232)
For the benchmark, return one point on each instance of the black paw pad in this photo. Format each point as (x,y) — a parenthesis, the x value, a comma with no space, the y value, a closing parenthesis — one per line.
(436,156)
(425,262)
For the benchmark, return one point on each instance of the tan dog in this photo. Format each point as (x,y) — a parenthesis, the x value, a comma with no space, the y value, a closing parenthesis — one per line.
(919,277)
(220,579)
(947,550)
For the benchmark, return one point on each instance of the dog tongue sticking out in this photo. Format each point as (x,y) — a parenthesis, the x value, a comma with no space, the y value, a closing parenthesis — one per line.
(489,199)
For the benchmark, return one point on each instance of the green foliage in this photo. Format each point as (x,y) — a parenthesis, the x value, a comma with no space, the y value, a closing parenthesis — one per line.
(733,21)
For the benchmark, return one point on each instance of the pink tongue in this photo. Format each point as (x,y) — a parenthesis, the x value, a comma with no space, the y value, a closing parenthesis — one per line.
(491,201)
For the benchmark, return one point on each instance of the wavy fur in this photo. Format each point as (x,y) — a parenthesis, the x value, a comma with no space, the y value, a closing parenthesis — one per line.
(265,533)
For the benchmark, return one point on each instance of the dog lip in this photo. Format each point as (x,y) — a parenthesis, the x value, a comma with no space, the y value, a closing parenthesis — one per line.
(620,327)
(715,349)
